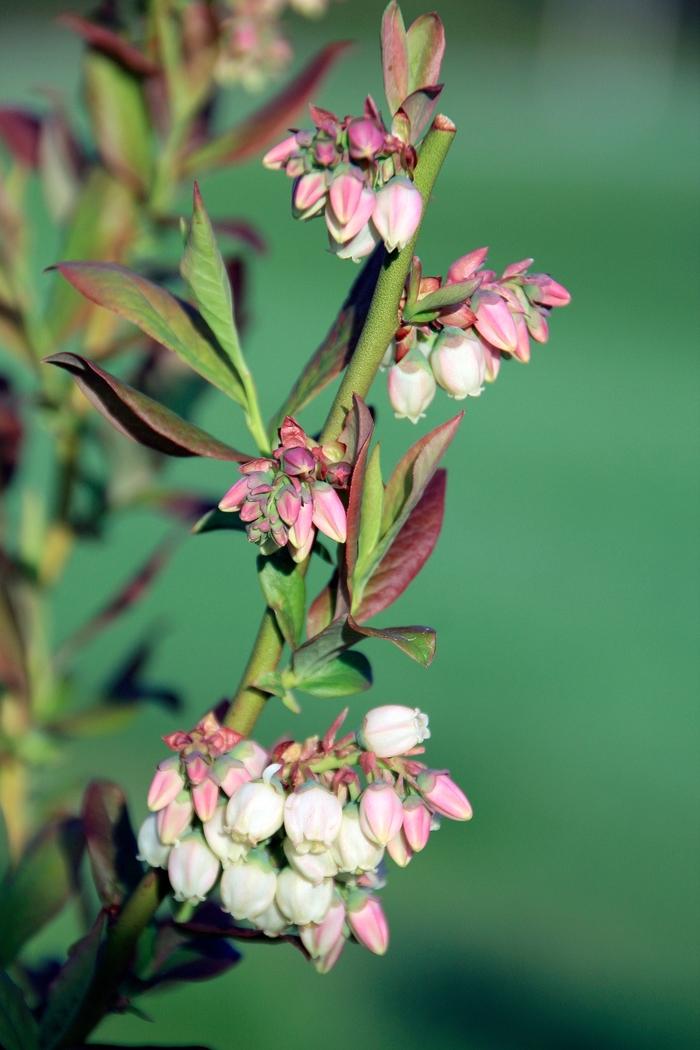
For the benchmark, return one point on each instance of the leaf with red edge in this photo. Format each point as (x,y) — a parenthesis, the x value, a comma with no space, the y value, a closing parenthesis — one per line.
(255,132)
(70,987)
(395,57)
(363,427)
(426,47)
(408,553)
(419,108)
(19,132)
(97,36)
(159,314)
(139,417)
(417,642)
(13,666)
(322,610)
(111,843)
(339,345)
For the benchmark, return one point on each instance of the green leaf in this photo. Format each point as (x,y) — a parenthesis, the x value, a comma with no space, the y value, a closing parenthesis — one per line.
(160,315)
(119,119)
(37,889)
(140,417)
(348,674)
(70,987)
(13,668)
(395,57)
(285,592)
(204,272)
(18,1029)
(426,46)
(448,295)
(371,514)
(417,642)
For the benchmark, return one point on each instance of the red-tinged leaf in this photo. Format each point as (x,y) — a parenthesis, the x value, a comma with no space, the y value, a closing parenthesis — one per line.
(139,417)
(332,731)
(19,133)
(255,132)
(241,230)
(409,551)
(179,956)
(419,108)
(322,610)
(417,642)
(36,890)
(426,46)
(339,345)
(364,427)
(106,40)
(395,57)
(13,668)
(447,295)
(11,432)
(186,507)
(18,1029)
(210,921)
(111,843)
(69,989)
(127,687)
(159,314)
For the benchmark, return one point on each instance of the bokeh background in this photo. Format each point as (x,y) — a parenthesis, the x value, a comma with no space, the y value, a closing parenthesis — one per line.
(565,587)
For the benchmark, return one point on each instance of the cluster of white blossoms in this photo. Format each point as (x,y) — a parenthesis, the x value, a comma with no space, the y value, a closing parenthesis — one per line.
(290,841)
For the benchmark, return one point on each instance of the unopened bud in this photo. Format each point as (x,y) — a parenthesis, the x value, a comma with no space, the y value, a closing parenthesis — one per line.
(368,922)
(365,139)
(494,320)
(192,869)
(441,792)
(319,938)
(166,784)
(231,773)
(276,158)
(252,755)
(381,812)
(175,819)
(205,797)
(151,849)
(329,514)
(399,849)
(397,212)
(416,822)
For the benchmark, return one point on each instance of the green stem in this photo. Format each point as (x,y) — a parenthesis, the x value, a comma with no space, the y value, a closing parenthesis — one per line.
(249,702)
(382,319)
(331,762)
(117,954)
(254,419)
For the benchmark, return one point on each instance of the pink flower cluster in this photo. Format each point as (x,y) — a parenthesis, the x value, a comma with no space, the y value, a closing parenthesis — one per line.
(356,174)
(291,841)
(459,345)
(285,499)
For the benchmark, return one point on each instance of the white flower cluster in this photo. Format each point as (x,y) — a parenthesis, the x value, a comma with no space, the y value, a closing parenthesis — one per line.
(294,843)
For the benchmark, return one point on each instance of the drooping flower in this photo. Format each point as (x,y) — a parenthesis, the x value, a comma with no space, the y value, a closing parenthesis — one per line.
(192,869)
(352,850)
(256,811)
(459,363)
(393,729)
(411,386)
(312,817)
(368,922)
(443,795)
(381,812)
(151,848)
(303,902)
(248,886)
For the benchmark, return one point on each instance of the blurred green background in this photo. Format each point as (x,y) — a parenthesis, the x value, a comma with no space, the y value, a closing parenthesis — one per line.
(565,587)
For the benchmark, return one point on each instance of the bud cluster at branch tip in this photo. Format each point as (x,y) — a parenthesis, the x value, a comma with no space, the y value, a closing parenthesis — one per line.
(291,841)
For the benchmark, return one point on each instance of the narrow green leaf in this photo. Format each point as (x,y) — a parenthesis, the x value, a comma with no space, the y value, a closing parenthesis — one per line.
(119,119)
(204,272)
(371,515)
(285,593)
(70,987)
(39,886)
(348,674)
(448,295)
(417,642)
(18,1029)
(159,314)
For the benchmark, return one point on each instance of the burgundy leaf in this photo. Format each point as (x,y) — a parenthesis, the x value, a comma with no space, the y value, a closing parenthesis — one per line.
(13,668)
(339,345)
(409,551)
(257,130)
(11,432)
(395,58)
(127,686)
(242,230)
(71,986)
(111,843)
(19,132)
(139,417)
(106,40)
(419,108)
(322,609)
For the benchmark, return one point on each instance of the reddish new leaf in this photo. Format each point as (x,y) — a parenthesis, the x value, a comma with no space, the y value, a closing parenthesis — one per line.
(19,132)
(322,609)
(419,108)
(111,843)
(426,46)
(395,58)
(257,130)
(106,40)
(362,429)
(409,551)
(13,668)
(139,417)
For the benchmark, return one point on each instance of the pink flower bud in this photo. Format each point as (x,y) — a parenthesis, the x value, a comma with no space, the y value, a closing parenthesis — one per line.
(271,921)
(231,773)
(325,152)
(416,823)
(345,193)
(288,505)
(298,460)
(328,512)
(466,267)
(151,849)
(541,288)
(392,730)
(537,325)
(361,245)
(192,869)
(494,320)
(248,886)
(325,963)
(443,795)
(175,818)
(399,849)
(353,851)
(300,554)
(253,756)
(312,816)
(522,350)
(302,901)
(319,938)
(219,841)
(492,356)
(309,194)
(368,923)
(166,784)
(197,767)
(255,811)
(397,212)
(301,529)
(458,363)
(365,139)
(205,797)
(276,158)
(312,866)
(411,385)
(235,496)
(381,812)
(344,232)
